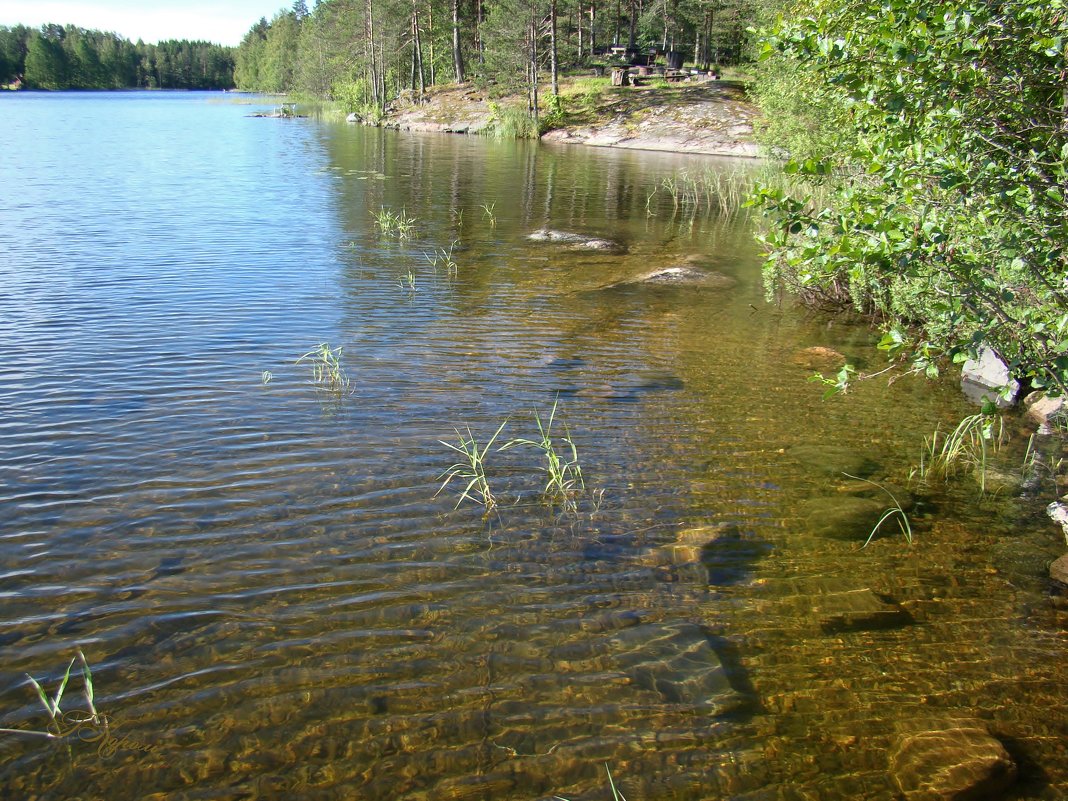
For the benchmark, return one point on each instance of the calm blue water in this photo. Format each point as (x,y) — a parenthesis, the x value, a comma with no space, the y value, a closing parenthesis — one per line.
(274,598)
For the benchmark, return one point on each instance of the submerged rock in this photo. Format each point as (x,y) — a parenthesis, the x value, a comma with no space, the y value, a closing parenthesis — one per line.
(836,460)
(818,358)
(683,275)
(681,663)
(1058,571)
(859,610)
(961,762)
(843,517)
(576,241)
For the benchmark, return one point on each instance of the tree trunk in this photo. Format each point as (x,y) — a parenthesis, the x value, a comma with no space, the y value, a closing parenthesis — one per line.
(553,63)
(430,44)
(419,82)
(480,46)
(581,51)
(457,51)
(593,27)
(532,63)
(376,96)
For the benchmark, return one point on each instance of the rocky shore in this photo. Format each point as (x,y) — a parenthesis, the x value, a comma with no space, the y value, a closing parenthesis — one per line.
(710,117)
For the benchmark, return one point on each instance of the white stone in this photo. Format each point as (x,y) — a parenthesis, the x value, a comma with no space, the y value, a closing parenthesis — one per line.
(984,378)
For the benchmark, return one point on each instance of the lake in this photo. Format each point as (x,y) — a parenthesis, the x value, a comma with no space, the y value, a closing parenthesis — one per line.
(274,594)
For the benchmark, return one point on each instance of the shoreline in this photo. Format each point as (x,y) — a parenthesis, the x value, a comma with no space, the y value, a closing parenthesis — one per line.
(711,118)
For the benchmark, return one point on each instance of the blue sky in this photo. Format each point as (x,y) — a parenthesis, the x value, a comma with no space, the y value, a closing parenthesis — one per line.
(222,21)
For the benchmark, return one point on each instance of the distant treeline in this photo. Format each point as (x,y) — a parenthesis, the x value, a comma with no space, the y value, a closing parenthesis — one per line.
(68,57)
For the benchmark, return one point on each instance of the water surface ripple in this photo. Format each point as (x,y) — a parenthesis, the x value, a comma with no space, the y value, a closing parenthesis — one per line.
(275,599)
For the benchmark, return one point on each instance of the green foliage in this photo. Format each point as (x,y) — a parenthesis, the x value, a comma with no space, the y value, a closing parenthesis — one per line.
(946,214)
(839,384)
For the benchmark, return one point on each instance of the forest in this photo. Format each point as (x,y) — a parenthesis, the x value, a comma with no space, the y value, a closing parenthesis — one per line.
(68,57)
(363,53)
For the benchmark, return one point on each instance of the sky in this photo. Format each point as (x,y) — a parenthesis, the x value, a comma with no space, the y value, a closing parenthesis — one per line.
(221,21)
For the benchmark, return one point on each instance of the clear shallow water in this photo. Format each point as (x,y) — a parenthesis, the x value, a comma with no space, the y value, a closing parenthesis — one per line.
(272,597)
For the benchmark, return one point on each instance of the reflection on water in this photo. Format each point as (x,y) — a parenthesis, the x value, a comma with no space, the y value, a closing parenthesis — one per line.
(273,599)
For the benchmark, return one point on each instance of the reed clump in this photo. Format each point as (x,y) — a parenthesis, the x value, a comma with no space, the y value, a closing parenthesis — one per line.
(967,448)
(471,469)
(397,225)
(708,192)
(328,374)
(564,485)
(562,469)
(443,259)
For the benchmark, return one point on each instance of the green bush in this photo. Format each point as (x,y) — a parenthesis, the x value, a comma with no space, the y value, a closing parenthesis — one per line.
(938,131)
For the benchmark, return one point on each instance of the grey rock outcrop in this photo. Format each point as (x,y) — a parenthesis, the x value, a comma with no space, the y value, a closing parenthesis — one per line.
(1058,513)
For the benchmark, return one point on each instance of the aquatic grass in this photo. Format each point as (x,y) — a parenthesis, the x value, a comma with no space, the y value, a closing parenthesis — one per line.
(471,469)
(51,704)
(969,446)
(328,374)
(442,258)
(266,377)
(710,191)
(487,213)
(394,224)
(408,280)
(894,512)
(87,689)
(564,473)
(616,794)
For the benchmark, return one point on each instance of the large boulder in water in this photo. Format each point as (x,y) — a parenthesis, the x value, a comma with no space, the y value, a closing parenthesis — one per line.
(678,276)
(575,241)
(958,762)
(818,358)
